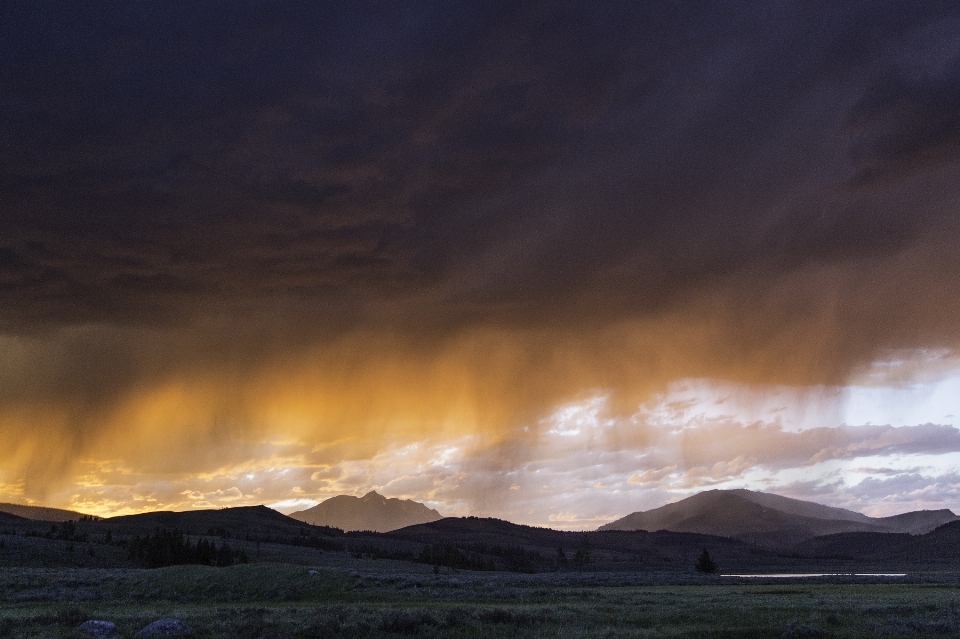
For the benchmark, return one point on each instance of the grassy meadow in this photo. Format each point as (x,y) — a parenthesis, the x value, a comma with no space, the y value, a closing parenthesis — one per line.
(267,600)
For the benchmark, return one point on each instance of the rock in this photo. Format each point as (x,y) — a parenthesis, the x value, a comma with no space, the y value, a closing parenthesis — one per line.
(166,628)
(97,628)
(313,572)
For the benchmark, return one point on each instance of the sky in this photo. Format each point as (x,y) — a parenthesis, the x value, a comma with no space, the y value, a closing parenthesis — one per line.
(553,262)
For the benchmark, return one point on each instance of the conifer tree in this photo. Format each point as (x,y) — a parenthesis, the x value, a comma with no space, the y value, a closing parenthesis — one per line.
(705,564)
(582,557)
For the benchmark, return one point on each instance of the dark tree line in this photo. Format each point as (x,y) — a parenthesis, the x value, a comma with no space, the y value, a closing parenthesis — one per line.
(302,540)
(515,558)
(581,558)
(67,531)
(475,556)
(450,556)
(171,548)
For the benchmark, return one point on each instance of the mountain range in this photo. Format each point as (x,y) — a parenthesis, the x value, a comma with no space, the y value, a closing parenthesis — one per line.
(372,512)
(764,519)
(771,520)
(744,531)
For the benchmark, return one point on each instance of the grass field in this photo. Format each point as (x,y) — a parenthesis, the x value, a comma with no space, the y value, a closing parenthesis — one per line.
(265,601)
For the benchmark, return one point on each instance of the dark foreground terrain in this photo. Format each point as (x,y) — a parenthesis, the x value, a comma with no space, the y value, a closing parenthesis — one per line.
(255,573)
(277,600)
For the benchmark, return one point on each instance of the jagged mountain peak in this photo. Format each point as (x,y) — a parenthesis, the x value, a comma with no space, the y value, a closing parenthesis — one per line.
(372,511)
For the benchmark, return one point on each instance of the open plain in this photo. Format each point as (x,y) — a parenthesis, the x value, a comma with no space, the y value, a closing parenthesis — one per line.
(385,599)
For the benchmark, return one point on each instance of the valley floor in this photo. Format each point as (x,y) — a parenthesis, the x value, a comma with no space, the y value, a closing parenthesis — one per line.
(272,601)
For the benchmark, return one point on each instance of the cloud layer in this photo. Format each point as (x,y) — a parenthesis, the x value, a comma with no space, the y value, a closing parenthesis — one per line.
(580,467)
(231,226)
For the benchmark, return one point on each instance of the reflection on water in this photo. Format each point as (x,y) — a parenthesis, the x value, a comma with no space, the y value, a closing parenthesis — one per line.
(823,574)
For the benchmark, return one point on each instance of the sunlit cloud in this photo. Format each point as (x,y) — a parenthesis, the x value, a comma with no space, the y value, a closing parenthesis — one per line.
(577,467)
(651,476)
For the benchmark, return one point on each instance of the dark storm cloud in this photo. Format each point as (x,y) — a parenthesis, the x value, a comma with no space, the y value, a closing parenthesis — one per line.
(155,158)
(909,120)
(158,155)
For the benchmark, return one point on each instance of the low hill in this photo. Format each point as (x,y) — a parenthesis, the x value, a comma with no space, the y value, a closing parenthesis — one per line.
(40,513)
(468,530)
(934,549)
(771,520)
(918,522)
(854,546)
(259,532)
(372,512)
(938,547)
(539,549)
(8,518)
(242,521)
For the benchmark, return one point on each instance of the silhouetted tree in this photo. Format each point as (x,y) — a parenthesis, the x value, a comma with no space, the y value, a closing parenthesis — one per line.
(705,564)
(561,558)
(582,557)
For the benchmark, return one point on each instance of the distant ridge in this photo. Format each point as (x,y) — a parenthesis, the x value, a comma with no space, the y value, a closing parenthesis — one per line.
(937,547)
(919,522)
(11,518)
(40,513)
(254,520)
(373,512)
(771,520)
